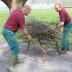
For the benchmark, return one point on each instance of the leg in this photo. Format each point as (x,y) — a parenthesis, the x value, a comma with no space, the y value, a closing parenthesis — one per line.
(14,48)
(70,31)
(65,37)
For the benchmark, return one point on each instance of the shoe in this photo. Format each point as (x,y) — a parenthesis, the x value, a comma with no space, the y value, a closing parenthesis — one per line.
(63,51)
(11,69)
(13,59)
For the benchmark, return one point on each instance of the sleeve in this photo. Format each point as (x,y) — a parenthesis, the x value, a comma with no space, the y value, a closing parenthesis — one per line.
(62,16)
(22,22)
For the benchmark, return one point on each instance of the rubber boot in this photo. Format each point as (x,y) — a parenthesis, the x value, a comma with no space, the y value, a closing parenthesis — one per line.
(13,60)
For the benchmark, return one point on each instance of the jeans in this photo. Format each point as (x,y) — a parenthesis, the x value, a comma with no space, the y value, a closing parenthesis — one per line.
(67,29)
(11,40)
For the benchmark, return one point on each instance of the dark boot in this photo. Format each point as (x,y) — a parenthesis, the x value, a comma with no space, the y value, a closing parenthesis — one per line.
(63,51)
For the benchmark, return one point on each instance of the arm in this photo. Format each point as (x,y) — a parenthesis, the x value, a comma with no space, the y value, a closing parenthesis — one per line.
(71,18)
(25,32)
(62,18)
(23,29)
(61,24)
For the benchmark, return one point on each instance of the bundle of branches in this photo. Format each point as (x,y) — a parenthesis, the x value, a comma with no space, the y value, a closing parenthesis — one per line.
(36,27)
(43,34)
(40,29)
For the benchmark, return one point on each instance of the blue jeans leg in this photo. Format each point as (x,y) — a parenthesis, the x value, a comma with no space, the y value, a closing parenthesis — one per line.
(12,41)
(66,30)
(65,38)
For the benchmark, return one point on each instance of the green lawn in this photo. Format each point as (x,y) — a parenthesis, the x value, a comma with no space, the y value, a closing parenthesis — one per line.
(49,15)
(3,18)
(44,15)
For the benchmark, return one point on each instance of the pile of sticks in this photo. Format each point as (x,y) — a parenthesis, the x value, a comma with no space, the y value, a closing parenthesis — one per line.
(43,35)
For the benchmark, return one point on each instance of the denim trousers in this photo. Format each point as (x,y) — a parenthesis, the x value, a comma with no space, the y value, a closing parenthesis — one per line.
(11,40)
(65,39)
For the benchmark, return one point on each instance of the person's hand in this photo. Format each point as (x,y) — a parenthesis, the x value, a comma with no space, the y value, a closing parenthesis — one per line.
(71,18)
(29,37)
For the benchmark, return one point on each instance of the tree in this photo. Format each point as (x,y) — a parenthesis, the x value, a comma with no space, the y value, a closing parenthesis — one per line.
(11,3)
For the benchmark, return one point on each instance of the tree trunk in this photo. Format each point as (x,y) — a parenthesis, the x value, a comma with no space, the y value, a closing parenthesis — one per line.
(14,3)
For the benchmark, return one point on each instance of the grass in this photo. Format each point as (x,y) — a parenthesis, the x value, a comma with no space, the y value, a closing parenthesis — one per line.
(45,15)
(3,18)
(49,15)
